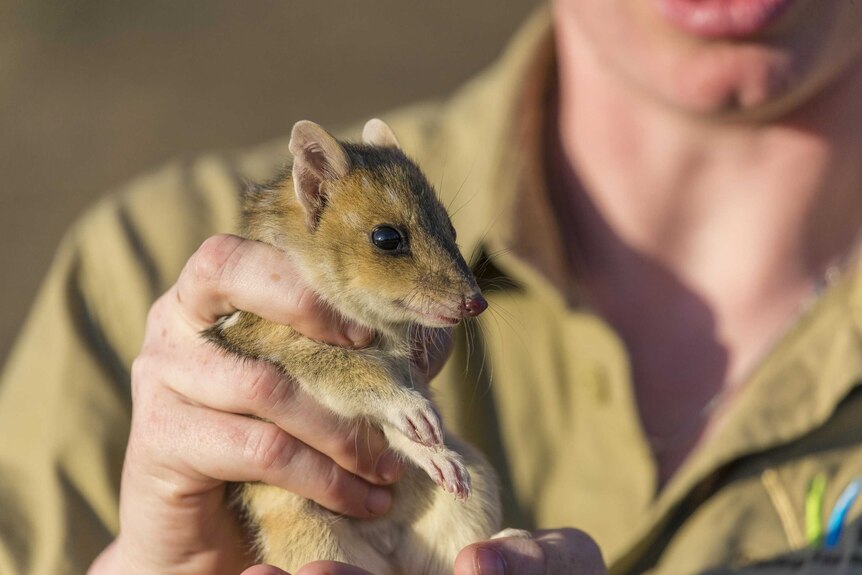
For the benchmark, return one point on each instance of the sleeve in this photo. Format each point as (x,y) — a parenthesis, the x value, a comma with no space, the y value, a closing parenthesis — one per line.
(64,420)
(65,396)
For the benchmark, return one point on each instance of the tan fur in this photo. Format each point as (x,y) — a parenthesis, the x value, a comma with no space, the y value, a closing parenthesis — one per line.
(322,215)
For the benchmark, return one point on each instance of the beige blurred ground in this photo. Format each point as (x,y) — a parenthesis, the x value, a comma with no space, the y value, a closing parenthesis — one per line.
(93,92)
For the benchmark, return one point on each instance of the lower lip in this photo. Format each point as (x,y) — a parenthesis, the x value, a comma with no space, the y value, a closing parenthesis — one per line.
(443,319)
(440,319)
(722,18)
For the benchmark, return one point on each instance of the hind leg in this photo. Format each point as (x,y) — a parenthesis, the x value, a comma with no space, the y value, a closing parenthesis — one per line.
(288,531)
(447,524)
(291,531)
(436,539)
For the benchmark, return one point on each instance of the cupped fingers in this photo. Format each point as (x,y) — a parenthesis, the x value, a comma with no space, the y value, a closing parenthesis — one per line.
(202,445)
(206,376)
(229,273)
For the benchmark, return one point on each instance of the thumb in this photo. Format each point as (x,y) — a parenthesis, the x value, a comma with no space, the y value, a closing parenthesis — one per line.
(552,552)
(331,568)
(264,570)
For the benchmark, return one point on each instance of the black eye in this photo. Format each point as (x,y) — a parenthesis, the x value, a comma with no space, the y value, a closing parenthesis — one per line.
(388,239)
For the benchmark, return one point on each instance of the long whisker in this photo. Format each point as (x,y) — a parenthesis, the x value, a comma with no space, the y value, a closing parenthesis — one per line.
(458,191)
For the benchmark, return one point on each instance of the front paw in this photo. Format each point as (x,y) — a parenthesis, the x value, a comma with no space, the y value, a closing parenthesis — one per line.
(416,418)
(446,468)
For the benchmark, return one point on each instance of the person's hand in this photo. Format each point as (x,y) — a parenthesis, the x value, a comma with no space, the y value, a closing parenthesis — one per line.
(551,552)
(190,434)
(548,552)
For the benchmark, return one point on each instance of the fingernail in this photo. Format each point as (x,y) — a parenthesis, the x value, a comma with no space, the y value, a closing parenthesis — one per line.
(489,562)
(379,500)
(389,467)
(357,334)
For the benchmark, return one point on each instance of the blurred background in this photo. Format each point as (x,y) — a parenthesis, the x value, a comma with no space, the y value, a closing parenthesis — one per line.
(93,92)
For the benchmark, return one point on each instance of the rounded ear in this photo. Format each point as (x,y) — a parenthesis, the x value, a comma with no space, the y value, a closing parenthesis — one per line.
(378,133)
(317,158)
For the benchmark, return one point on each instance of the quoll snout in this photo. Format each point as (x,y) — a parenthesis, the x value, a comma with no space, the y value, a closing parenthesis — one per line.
(473,305)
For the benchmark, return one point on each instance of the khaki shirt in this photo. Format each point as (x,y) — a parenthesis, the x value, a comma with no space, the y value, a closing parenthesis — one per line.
(543,386)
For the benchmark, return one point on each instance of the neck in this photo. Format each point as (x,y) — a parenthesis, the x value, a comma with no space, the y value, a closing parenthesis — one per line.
(669,184)
(716,228)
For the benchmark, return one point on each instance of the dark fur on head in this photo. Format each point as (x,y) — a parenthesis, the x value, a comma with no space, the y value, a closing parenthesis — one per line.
(322,212)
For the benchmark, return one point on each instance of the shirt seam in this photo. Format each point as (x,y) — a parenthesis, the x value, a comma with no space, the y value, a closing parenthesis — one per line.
(781,502)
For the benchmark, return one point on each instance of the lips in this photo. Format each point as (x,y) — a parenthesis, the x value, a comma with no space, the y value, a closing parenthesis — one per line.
(434,317)
(437,319)
(722,18)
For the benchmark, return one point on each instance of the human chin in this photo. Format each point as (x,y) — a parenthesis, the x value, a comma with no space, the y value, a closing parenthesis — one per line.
(758,67)
(759,85)
(762,75)
(725,81)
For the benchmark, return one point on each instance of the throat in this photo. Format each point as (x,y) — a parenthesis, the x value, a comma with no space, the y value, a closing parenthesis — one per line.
(691,350)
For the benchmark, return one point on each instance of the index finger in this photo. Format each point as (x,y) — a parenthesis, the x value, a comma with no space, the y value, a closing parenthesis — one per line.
(228,273)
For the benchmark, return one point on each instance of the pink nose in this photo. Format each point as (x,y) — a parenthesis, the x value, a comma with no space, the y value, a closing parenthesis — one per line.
(474,305)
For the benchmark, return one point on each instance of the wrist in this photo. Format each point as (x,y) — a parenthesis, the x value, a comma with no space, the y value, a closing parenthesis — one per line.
(117,559)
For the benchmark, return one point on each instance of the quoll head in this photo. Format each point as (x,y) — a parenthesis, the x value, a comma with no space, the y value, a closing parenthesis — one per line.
(379,244)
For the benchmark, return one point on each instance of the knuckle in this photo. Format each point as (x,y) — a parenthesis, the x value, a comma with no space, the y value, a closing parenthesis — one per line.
(266,390)
(537,554)
(152,422)
(141,373)
(271,449)
(155,313)
(158,322)
(140,369)
(216,259)
(534,549)
(569,550)
(172,492)
(354,448)
(304,300)
(336,488)
(583,543)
